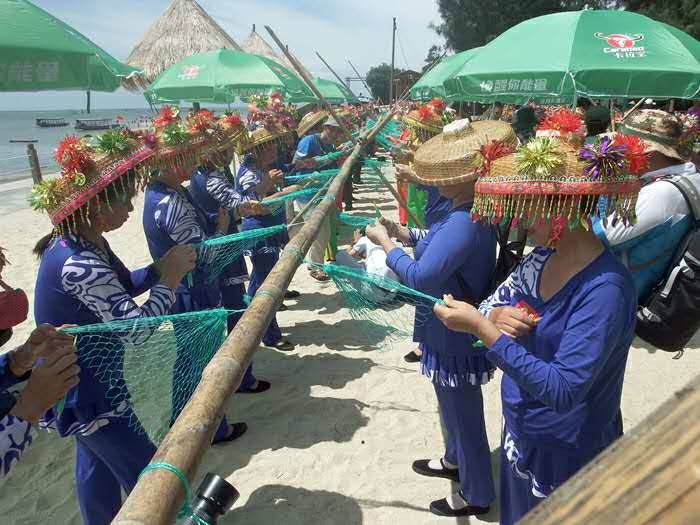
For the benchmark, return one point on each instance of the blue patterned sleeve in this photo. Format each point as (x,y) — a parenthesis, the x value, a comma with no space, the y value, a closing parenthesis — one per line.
(15,439)
(415,235)
(175,217)
(95,284)
(223,192)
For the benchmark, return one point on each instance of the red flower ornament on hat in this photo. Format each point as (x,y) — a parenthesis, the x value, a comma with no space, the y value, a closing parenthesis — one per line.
(635,151)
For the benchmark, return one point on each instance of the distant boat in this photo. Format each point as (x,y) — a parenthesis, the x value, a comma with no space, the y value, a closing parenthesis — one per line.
(94,124)
(51,122)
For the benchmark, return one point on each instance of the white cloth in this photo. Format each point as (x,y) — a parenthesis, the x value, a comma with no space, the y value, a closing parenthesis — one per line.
(375,258)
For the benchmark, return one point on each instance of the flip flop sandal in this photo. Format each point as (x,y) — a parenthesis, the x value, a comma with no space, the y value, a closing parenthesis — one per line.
(320,276)
(237,430)
(422,467)
(262,386)
(284,345)
(292,294)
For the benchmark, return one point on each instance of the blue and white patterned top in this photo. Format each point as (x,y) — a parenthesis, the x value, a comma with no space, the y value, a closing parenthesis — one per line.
(80,284)
(15,439)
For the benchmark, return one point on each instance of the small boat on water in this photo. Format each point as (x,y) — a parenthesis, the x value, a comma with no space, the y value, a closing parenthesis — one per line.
(94,124)
(51,122)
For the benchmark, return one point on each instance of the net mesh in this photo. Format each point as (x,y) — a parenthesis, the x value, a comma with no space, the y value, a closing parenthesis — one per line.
(355,222)
(277,204)
(386,309)
(320,176)
(149,367)
(388,136)
(214,255)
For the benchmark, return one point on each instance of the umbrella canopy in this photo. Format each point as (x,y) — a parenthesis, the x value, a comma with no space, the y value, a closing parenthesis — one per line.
(597,54)
(335,92)
(221,76)
(184,29)
(430,85)
(39,52)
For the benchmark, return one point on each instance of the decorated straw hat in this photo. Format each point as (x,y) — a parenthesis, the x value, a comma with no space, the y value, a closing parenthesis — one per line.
(87,168)
(661,131)
(457,154)
(427,120)
(550,180)
(180,144)
(311,120)
(269,120)
(231,132)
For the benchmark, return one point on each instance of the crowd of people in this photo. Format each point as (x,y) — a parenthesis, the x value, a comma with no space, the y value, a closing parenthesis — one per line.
(596,194)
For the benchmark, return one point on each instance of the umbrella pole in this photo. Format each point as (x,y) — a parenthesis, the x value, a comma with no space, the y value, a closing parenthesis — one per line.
(309,82)
(612,115)
(88,101)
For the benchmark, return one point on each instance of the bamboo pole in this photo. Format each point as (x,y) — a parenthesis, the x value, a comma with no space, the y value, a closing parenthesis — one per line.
(399,198)
(362,79)
(335,74)
(651,475)
(159,493)
(309,82)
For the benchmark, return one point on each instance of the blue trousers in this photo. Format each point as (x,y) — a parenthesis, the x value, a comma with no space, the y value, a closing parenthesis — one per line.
(462,410)
(233,300)
(107,462)
(516,494)
(262,266)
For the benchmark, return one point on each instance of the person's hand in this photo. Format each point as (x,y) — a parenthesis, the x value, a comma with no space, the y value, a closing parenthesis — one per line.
(405,174)
(50,381)
(276,176)
(511,321)
(292,188)
(250,208)
(223,220)
(458,316)
(393,229)
(356,236)
(377,233)
(175,264)
(24,358)
(403,155)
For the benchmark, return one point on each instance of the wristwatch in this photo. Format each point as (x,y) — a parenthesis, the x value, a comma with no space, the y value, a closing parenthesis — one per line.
(7,403)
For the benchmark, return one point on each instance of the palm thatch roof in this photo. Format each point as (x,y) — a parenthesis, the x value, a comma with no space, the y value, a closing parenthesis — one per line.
(257,45)
(184,29)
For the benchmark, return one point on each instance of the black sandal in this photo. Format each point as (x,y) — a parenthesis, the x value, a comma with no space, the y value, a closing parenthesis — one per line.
(441,507)
(262,386)
(422,467)
(412,357)
(283,345)
(237,430)
(292,294)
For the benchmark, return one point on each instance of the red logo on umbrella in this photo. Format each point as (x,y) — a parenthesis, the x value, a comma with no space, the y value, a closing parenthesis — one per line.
(620,41)
(189,73)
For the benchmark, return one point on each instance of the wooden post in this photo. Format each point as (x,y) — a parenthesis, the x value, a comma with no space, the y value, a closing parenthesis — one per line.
(309,82)
(651,475)
(158,494)
(34,163)
(398,198)
(88,101)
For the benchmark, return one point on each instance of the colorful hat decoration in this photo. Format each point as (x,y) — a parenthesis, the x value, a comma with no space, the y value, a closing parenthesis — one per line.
(564,124)
(549,180)
(232,131)
(181,144)
(274,121)
(459,154)
(87,168)
(427,121)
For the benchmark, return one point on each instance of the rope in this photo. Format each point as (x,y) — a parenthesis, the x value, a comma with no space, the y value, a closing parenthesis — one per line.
(186,509)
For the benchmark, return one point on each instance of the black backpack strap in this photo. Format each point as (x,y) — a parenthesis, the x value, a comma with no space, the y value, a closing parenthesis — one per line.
(690,194)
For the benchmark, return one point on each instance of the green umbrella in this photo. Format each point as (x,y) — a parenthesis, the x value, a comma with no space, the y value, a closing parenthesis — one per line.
(430,85)
(221,76)
(597,54)
(39,52)
(335,92)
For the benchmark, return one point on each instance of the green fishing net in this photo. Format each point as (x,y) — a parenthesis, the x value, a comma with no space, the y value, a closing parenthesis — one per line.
(386,310)
(217,253)
(329,158)
(355,222)
(320,176)
(277,204)
(390,130)
(149,367)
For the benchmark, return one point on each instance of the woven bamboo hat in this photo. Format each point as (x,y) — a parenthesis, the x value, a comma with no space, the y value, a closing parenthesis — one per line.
(455,156)
(231,132)
(88,168)
(427,121)
(269,120)
(550,180)
(311,120)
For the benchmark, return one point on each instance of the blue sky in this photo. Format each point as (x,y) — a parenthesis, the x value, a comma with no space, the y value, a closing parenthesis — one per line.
(359,30)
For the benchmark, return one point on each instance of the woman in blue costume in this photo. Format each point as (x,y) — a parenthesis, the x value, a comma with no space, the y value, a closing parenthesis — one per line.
(171,217)
(256,181)
(82,282)
(560,327)
(455,256)
(213,189)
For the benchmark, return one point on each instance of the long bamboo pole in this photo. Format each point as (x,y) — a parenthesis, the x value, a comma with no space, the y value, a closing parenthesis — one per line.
(362,79)
(159,493)
(335,74)
(309,81)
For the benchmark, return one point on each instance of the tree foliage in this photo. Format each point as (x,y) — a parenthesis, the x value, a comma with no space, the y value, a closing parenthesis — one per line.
(683,14)
(378,79)
(434,54)
(473,23)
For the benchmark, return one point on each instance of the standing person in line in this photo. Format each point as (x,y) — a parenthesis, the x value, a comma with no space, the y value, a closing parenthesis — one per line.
(456,256)
(560,327)
(171,218)
(214,189)
(318,132)
(82,282)
(256,181)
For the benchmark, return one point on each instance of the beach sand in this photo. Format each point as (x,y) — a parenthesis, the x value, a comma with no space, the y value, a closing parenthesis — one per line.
(333,441)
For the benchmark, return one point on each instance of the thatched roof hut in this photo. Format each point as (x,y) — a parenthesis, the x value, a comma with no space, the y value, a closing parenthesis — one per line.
(257,45)
(184,29)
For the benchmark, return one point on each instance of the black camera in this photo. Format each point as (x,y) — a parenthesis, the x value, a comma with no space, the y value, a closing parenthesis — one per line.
(213,498)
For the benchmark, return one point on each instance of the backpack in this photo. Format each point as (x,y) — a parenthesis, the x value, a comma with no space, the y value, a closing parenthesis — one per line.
(670,316)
